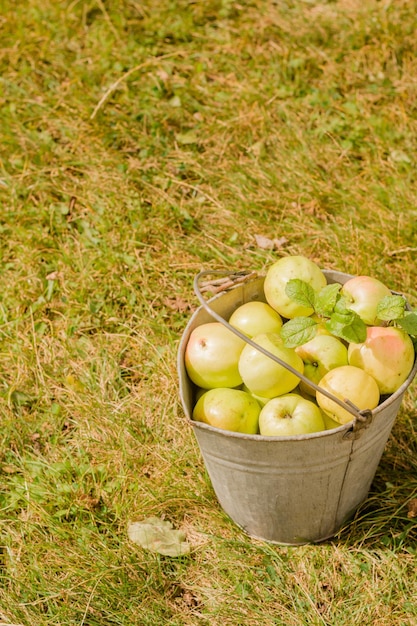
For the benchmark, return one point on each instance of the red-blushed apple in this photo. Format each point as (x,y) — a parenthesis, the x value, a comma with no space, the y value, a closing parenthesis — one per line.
(262,375)
(228,409)
(363,293)
(212,356)
(284,270)
(387,355)
(347,383)
(255,317)
(320,355)
(290,414)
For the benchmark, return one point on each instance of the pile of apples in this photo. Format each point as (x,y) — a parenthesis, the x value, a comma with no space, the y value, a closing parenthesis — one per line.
(355,341)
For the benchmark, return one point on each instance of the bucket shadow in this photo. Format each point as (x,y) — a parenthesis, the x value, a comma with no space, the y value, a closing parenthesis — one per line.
(388,517)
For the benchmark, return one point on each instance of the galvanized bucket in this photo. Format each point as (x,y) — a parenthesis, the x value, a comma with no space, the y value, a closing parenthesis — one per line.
(288,490)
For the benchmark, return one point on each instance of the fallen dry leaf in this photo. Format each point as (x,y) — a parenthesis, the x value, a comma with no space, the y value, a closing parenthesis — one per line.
(265,243)
(412,508)
(159,536)
(177,304)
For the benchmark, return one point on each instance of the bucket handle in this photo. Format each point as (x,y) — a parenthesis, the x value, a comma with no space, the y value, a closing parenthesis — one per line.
(362,418)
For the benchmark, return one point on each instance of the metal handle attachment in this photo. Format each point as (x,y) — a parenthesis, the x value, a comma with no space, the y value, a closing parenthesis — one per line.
(362,418)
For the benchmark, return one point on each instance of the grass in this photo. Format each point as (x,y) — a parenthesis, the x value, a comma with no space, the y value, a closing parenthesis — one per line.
(142,142)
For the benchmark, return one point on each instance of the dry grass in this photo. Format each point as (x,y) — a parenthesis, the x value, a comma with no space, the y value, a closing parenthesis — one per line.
(142,142)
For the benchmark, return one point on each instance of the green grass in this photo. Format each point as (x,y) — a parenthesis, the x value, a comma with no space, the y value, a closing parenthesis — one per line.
(142,142)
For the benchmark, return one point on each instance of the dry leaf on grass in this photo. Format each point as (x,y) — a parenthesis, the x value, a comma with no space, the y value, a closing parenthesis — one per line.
(412,508)
(265,243)
(177,304)
(158,536)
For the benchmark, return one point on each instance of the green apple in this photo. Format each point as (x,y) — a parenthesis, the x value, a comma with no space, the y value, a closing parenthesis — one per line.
(387,354)
(347,383)
(255,317)
(282,271)
(212,356)
(320,355)
(261,400)
(262,375)
(329,423)
(228,409)
(363,293)
(290,414)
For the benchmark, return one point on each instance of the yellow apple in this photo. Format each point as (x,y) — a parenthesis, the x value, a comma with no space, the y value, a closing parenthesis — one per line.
(262,375)
(212,356)
(290,414)
(320,355)
(255,317)
(284,270)
(347,383)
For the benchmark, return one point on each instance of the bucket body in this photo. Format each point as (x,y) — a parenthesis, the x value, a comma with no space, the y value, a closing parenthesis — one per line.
(288,490)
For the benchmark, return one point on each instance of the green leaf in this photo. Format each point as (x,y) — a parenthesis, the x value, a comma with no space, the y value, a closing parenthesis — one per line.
(342,310)
(297,331)
(326,299)
(390,308)
(352,330)
(158,536)
(409,323)
(300,292)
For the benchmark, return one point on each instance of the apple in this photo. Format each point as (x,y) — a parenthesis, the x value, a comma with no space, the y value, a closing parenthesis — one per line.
(290,414)
(262,375)
(347,382)
(320,355)
(254,318)
(362,294)
(260,399)
(228,409)
(199,392)
(282,271)
(303,393)
(329,422)
(212,356)
(387,354)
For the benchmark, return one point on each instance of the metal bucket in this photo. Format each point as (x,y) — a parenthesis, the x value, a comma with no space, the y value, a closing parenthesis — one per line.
(288,490)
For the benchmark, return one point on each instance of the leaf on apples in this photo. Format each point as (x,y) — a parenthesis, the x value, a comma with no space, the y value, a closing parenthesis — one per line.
(409,323)
(342,310)
(391,308)
(350,328)
(300,292)
(326,299)
(297,331)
